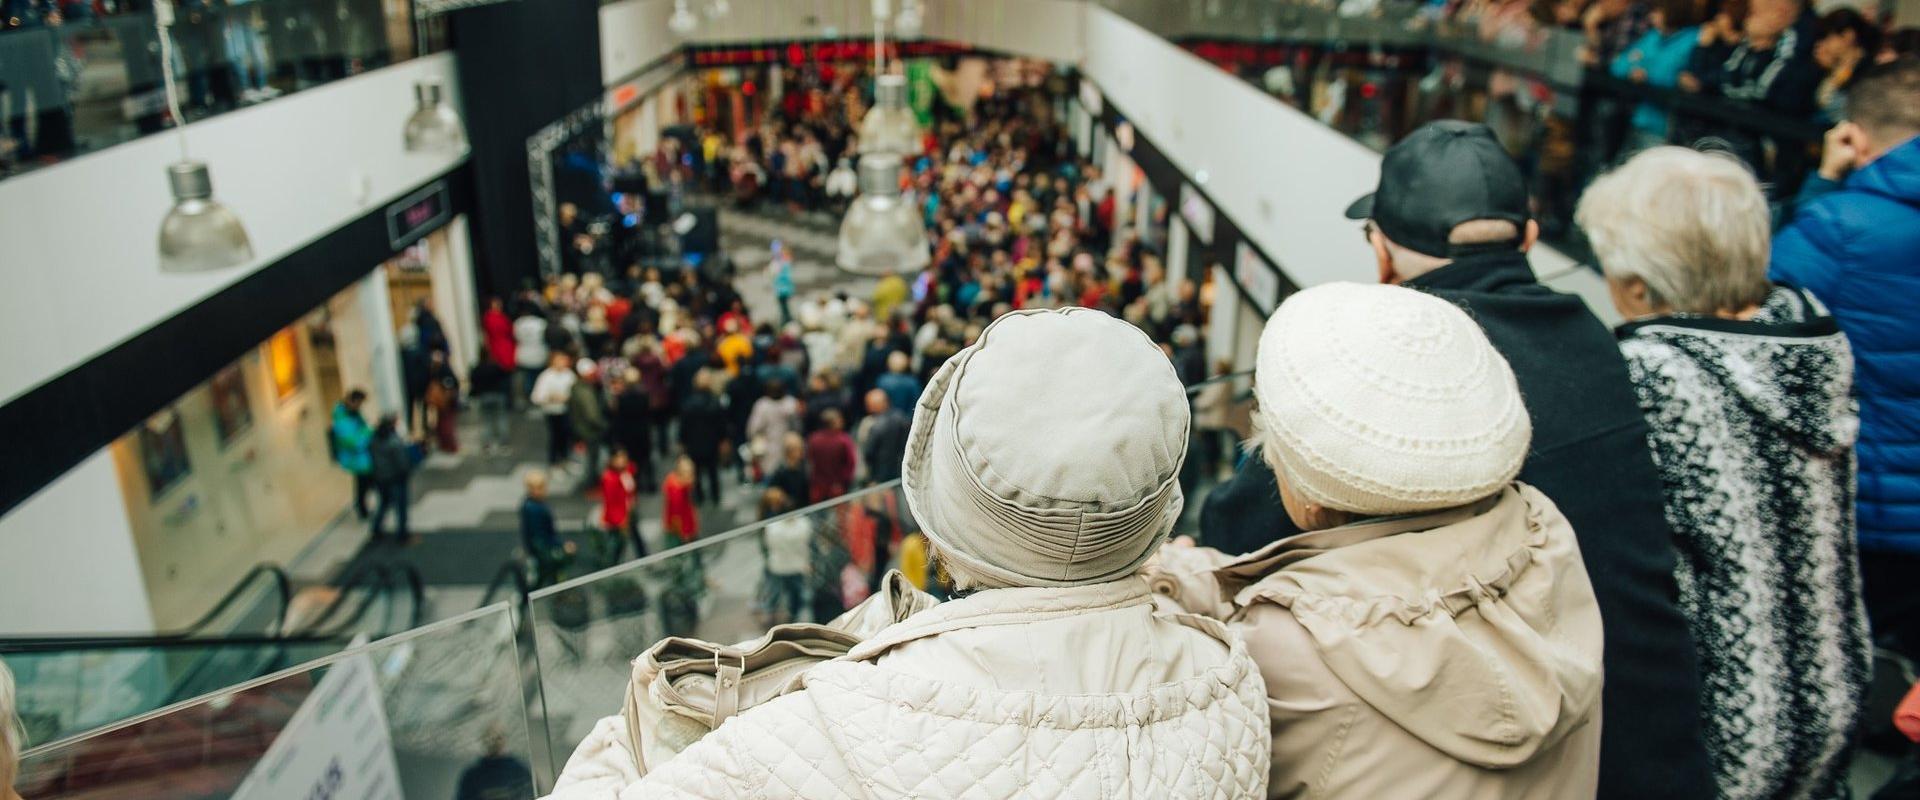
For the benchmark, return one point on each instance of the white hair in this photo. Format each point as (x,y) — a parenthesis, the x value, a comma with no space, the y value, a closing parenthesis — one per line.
(964,579)
(12,737)
(1693,226)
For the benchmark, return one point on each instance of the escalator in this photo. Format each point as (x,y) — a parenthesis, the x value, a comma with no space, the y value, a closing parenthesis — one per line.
(71,684)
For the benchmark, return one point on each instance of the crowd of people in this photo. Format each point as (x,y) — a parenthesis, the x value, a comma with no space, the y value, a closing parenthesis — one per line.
(1479,545)
(663,381)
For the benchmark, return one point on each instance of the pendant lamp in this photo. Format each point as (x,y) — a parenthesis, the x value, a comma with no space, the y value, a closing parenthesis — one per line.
(198,234)
(890,126)
(434,127)
(908,23)
(683,21)
(883,233)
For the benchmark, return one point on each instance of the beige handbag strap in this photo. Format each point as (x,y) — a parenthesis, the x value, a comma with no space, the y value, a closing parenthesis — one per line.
(729,668)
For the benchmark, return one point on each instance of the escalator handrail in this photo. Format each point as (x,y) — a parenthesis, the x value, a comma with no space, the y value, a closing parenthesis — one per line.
(283,589)
(391,577)
(375,576)
(512,573)
(1231,376)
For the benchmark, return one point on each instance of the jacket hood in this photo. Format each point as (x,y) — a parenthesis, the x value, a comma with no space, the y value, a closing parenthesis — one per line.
(1789,366)
(1895,174)
(1474,629)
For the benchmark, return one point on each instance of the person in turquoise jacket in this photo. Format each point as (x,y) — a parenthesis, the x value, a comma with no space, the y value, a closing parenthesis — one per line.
(351,439)
(1657,60)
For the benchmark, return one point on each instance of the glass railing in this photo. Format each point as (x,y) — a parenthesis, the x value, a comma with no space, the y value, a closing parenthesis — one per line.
(1222,420)
(435,712)
(71,684)
(505,693)
(1377,69)
(808,565)
(90,78)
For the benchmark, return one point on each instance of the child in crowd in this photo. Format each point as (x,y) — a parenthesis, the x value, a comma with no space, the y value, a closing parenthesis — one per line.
(619,490)
(680,516)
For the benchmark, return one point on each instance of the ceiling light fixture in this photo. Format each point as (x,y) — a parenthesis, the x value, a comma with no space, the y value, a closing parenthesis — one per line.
(890,126)
(883,233)
(910,21)
(683,21)
(198,234)
(434,127)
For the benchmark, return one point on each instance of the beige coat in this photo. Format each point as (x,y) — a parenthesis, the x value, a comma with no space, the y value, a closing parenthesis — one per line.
(1452,655)
(1082,692)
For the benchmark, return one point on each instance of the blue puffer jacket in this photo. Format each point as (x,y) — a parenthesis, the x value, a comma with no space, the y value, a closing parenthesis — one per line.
(1858,250)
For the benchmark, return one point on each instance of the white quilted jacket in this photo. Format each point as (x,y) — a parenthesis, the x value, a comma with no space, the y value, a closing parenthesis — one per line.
(1011,693)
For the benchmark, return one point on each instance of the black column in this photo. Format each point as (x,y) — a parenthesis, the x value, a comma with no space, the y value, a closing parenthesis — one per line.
(522,65)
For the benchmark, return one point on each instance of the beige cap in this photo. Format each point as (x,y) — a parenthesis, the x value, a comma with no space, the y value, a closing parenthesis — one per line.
(1048,453)
(1387,400)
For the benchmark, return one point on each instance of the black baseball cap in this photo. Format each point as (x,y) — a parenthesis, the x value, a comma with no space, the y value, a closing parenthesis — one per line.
(1441,175)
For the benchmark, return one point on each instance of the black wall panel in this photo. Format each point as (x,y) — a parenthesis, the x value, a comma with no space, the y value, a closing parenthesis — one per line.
(522,65)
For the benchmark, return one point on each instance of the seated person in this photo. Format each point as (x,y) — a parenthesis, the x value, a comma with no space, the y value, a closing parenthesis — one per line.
(1433,633)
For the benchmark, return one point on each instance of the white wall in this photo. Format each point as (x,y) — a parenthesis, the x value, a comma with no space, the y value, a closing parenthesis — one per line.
(1050,29)
(82,235)
(634,34)
(1281,176)
(70,564)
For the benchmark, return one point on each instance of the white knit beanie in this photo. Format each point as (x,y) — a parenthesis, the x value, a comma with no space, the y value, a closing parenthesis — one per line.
(1385,400)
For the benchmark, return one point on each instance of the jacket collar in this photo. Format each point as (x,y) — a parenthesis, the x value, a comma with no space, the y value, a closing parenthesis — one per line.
(1479,272)
(1895,174)
(1006,607)
(1250,568)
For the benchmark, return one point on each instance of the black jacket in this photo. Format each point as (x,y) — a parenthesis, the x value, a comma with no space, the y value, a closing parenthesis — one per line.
(633,421)
(392,463)
(703,423)
(1590,457)
(884,445)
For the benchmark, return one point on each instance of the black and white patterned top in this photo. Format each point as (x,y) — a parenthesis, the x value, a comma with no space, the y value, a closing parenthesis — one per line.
(1752,428)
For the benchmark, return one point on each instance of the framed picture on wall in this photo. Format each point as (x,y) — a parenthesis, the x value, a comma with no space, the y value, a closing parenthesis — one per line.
(232,413)
(283,363)
(163,451)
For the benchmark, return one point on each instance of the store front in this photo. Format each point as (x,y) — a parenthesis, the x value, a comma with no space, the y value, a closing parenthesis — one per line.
(239,471)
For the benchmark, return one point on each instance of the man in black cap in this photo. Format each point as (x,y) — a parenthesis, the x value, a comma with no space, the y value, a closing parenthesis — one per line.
(1451,217)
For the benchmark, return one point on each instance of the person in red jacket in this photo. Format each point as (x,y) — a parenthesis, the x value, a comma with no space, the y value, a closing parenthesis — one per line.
(499,330)
(618,491)
(681,517)
(831,457)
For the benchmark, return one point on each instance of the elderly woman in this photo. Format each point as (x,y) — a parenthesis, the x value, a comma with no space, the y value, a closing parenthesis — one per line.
(1433,633)
(1745,389)
(1051,676)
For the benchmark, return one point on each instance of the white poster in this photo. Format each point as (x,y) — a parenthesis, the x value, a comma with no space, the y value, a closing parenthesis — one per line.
(1197,211)
(1258,278)
(337,745)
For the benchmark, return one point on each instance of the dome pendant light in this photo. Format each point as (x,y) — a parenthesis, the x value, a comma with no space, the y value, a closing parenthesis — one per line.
(434,127)
(683,21)
(883,233)
(908,24)
(198,234)
(890,126)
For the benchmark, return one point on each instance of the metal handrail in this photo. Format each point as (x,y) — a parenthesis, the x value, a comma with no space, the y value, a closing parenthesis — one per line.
(283,588)
(510,573)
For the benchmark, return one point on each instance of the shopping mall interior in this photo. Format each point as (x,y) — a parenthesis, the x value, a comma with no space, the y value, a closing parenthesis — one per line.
(512,399)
